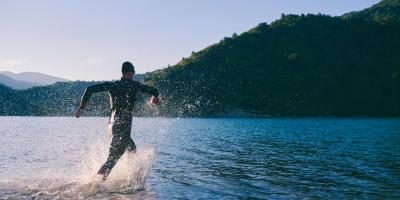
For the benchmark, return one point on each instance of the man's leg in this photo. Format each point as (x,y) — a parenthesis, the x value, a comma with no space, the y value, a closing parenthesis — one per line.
(120,142)
(117,149)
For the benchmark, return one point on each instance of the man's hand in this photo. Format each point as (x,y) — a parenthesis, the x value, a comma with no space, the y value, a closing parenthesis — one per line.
(78,112)
(155,100)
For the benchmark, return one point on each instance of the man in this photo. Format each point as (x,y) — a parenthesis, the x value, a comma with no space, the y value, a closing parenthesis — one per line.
(122,99)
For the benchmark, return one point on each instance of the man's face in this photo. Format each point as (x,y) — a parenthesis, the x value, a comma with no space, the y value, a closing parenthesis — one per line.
(129,74)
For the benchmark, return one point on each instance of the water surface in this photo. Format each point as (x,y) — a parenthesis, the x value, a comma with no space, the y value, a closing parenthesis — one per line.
(53,157)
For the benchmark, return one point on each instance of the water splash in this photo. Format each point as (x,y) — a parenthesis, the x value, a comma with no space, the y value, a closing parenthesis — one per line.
(129,173)
(127,177)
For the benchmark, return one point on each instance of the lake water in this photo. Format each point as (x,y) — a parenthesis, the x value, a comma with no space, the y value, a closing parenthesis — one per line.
(54,158)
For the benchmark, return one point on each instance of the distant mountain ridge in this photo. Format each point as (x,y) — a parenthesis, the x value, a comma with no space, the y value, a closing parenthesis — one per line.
(34,77)
(26,80)
(15,84)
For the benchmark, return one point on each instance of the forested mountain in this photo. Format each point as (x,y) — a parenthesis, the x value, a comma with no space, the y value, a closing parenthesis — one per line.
(298,65)
(307,65)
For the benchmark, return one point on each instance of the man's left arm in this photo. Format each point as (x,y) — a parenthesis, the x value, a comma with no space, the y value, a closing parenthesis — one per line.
(150,90)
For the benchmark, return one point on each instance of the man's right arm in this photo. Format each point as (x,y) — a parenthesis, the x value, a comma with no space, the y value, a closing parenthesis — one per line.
(102,87)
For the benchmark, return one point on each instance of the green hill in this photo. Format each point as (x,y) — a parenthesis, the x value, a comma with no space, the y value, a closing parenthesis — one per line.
(296,66)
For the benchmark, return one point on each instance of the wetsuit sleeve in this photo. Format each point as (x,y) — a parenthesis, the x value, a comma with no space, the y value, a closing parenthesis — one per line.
(102,87)
(148,89)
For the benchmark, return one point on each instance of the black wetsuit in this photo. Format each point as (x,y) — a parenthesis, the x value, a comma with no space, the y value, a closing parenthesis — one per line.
(122,99)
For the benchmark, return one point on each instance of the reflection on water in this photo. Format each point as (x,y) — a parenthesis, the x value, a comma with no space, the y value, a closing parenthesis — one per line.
(205,158)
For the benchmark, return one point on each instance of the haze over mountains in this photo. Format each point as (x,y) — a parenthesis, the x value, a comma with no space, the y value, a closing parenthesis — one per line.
(299,65)
(4,88)
(26,80)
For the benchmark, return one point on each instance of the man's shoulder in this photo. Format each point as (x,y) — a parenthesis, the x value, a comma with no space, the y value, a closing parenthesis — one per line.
(136,83)
(130,83)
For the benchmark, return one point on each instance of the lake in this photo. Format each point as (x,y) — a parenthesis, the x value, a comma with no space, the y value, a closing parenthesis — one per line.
(55,158)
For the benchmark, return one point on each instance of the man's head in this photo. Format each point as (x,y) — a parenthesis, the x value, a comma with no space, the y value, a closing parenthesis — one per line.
(128,70)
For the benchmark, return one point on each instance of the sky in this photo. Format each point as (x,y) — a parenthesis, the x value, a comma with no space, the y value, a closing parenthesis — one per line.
(89,40)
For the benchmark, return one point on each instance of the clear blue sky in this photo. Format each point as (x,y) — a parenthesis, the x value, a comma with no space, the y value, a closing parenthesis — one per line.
(89,39)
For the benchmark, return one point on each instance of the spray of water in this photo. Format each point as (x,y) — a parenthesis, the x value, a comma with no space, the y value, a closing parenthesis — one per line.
(129,174)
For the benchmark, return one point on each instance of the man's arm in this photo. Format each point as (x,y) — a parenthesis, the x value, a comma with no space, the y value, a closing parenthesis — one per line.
(150,90)
(102,87)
